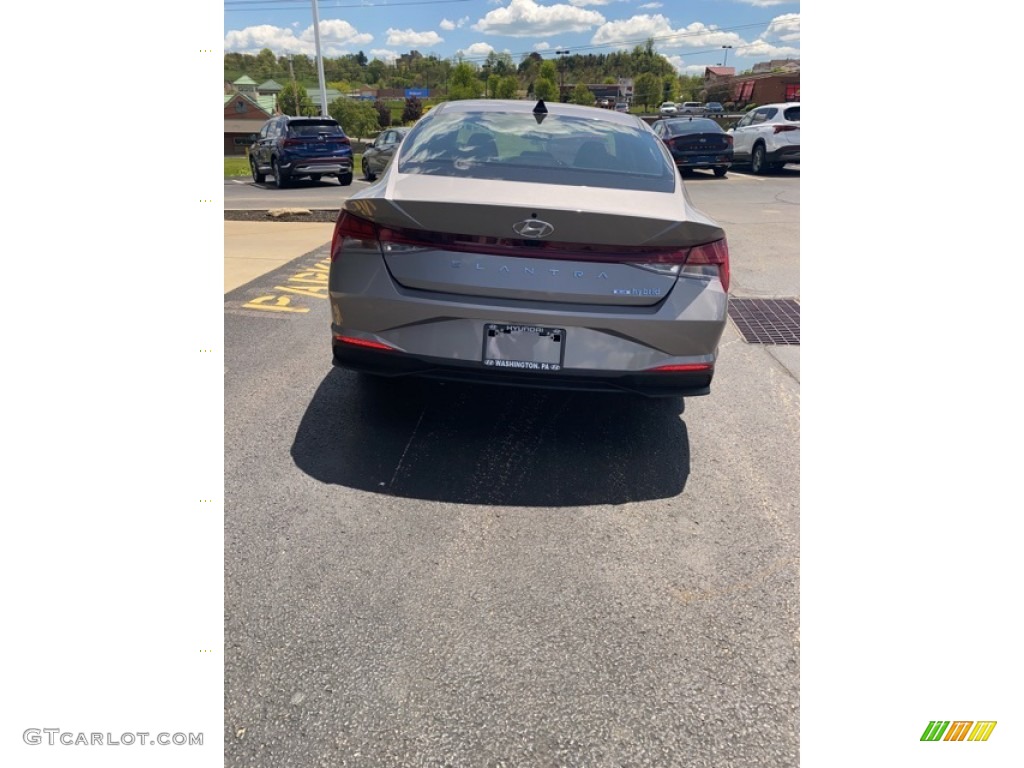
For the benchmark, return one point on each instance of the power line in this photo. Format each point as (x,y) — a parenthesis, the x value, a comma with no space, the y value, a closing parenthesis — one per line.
(301,3)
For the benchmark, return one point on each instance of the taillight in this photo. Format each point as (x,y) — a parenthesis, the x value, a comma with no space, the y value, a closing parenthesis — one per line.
(363,343)
(684,368)
(784,128)
(292,142)
(728,139)
(352,233)
(709,260)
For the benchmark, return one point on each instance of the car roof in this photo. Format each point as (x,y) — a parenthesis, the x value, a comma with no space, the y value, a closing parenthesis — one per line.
(526,106)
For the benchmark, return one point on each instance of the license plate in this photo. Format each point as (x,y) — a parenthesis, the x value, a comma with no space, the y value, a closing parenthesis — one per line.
(523,347)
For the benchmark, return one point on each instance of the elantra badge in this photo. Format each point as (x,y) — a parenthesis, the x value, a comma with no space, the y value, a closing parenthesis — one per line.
(532,228)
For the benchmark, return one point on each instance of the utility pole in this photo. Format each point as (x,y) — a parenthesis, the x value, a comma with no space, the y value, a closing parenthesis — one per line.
(561,54)
(727,49)
(295,86)
(319,60)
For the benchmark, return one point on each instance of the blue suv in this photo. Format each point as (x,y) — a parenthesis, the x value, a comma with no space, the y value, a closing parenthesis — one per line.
(294,147)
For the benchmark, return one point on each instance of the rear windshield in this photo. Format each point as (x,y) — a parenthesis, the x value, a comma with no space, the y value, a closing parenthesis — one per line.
(314,127)
(697,125)
(561,149)
(792,113)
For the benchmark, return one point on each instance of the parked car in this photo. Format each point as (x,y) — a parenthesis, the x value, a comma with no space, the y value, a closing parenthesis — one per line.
(541,246)
(696,142)
(621,106)
(768,137)
(668,108)
(293,147)
(377,156)
(691,108)
(714,108)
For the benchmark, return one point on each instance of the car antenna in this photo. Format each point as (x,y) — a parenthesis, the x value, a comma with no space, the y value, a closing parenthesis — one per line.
(540,111)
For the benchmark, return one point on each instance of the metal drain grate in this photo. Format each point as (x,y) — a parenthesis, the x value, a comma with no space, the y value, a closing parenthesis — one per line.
(766,321)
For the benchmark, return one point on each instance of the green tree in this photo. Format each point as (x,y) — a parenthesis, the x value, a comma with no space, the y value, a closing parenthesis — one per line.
(492,86)
(413,110)
(265,65)
(545,89)
(647,89)
(582,95)
(357,118)
(463,83)
(549,70)
(507,87)
(670,88)
(294,100)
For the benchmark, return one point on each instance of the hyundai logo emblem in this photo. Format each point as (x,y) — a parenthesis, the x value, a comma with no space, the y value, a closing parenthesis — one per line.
(532,228)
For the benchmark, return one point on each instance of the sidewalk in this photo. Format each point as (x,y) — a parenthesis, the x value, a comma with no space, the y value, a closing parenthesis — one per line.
(254,248)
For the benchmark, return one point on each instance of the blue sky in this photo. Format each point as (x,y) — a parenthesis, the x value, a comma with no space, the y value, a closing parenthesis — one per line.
(690,34)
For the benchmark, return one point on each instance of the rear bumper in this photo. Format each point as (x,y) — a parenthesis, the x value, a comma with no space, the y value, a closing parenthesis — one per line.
(397,364)
(324,166)
(719,160)
(786,154)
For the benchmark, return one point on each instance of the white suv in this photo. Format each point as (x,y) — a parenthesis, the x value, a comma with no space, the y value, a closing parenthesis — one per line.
(767,137)
(691,108)
(668,108)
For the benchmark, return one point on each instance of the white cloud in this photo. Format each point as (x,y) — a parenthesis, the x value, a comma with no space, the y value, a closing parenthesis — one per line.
(677,62)
(524,18)
(401,37)
(629,32)
(693,69)
(581,3)
(255,39)
(765,3)
(650,6)
(337,32)
(785,28)
(761,49)
(336,38)
(478,49)
(446,25)
(541,46)
(384,55)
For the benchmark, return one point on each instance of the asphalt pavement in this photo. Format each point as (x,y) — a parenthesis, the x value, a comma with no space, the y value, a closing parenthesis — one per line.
(432,574)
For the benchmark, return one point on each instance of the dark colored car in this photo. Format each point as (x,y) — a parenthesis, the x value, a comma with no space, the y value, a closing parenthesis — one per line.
(713,108)
(294,147)
(696,142)
(377,157)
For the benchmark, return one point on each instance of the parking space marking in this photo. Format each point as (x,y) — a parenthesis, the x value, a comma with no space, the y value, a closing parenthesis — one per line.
(308,281)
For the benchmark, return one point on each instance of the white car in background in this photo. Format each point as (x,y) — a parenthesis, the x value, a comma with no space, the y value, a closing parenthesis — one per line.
(767,137)
(691,108)
(667,108)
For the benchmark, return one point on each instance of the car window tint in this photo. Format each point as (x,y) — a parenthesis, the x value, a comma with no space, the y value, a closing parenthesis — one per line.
(792,113)
(314,127)
(561,149)
(697,125)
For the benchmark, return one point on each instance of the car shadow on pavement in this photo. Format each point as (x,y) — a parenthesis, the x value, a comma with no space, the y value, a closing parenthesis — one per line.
(489,445)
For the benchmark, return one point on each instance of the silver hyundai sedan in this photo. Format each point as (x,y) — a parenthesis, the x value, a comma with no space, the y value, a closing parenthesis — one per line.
(522,243)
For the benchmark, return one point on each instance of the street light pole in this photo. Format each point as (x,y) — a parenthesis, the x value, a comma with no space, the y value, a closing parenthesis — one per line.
(319,60)
(727,48)
(561,54)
